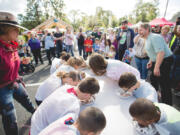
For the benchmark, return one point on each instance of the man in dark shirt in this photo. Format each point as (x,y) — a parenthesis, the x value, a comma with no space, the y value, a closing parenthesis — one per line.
(96,34)
(157,29)
(125,39)
(58,36)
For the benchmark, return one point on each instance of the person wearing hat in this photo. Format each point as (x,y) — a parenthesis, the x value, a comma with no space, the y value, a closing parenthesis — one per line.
(11,86)
(125,39)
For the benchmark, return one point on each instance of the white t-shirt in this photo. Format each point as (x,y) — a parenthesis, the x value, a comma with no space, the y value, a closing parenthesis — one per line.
(116,68)
(69,39)
(57,105)
(59,128)
(64,67)
(56,63)
(48,87)
(49,42)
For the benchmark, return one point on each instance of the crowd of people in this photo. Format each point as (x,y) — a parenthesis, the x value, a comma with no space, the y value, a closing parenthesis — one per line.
(70,86)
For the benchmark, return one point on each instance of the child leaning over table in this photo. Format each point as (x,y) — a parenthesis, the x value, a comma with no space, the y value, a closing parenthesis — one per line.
(63,101)
(110,68)
(91,121)
(154,118)
(53,83)
(137,88)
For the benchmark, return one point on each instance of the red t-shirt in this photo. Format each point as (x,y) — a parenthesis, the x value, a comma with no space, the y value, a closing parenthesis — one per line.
(88,45)
(9,65)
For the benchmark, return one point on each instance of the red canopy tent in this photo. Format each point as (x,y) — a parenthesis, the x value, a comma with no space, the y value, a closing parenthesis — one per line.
(161,22)
(129,24)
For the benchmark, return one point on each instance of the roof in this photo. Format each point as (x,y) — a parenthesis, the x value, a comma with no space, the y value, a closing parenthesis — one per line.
(50,23)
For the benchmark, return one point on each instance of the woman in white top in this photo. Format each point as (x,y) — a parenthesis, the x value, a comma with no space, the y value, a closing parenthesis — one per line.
(111,68)
(69,38)
(54,82)
(102,43)
(49,46)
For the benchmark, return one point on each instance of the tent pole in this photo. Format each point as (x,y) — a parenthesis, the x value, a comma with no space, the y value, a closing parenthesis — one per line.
(166,8)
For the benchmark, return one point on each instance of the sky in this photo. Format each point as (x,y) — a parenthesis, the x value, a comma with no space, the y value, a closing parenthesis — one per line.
(118,7)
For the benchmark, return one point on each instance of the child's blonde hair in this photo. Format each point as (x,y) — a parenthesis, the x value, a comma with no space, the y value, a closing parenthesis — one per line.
(73,61)
(72,74)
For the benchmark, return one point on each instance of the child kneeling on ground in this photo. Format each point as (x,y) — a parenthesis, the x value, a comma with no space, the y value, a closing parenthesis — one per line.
(154,118)
(91,121)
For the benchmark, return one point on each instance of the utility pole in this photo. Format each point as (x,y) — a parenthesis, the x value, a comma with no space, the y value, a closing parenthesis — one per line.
(166,8)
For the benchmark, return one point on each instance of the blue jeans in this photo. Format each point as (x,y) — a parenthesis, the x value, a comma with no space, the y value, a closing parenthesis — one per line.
(7,109)
(69,49)
(142,67)
(81,49)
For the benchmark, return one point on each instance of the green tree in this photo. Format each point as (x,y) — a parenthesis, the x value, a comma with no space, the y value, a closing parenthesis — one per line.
(40,10)
(103,17)
(58,7)
(74,16)
(114,22)
(34,15)
(146,11)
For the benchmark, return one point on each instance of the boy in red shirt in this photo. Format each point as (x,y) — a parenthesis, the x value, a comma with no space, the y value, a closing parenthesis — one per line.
(88,45)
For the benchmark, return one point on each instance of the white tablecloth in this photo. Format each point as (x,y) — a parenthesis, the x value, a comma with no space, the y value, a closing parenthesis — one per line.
(116,110)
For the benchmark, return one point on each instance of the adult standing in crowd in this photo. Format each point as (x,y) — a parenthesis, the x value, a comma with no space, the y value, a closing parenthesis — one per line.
(141,57)
(11,85)
(111,35)
(58,37)
(157,29)
(81,38)
(165,33)
(96,34)
(69,38)
(35,46)
(159,63)
(49,46)
(175,40)
(125,38)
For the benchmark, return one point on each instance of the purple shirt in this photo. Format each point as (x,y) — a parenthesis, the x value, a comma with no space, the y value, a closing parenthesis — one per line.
(115,44)
(34,44)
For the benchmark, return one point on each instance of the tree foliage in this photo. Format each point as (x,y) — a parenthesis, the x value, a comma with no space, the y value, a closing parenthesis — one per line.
(146,11)
(33,17)
(40,10)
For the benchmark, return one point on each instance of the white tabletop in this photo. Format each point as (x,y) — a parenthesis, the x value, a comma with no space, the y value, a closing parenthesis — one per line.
(116,109)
